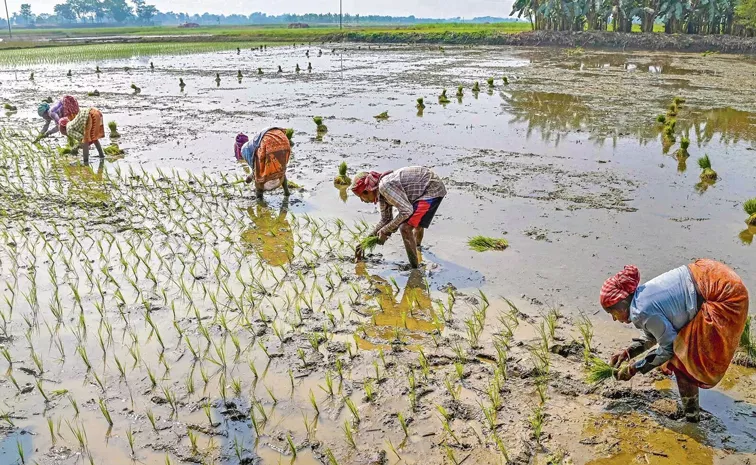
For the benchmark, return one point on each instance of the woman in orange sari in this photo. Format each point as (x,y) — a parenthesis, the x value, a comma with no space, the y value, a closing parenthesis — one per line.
(267,155)
(87,128)
(695,314)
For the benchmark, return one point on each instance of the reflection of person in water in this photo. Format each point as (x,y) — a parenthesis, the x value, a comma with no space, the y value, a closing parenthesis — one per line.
(271,237)
(87,182)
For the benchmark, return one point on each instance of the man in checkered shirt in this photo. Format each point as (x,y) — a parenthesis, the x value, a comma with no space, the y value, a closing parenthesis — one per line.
(415,192)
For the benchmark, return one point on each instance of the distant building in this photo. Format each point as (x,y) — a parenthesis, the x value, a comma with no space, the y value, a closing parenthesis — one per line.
(299,26)
(189,25)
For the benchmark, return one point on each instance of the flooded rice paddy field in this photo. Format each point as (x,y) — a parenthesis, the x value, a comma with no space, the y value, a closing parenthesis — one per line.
(156,312)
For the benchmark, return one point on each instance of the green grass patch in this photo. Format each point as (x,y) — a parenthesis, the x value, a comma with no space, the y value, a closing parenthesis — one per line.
(483,244)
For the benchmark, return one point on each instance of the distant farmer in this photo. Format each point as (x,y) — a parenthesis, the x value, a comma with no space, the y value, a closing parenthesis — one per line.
(67,107)
(415,192)
(267,155)
(86,129)
(695,314)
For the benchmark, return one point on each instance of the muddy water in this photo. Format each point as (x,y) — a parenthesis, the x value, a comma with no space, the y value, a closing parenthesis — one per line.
(565,161)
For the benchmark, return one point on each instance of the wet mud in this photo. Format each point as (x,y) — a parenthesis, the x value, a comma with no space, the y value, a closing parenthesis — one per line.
(243,325)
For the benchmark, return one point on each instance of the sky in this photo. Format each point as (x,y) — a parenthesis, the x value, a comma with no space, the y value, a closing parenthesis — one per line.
(419,8)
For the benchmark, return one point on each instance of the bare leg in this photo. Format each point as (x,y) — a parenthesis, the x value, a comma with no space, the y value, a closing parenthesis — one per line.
(689,396)
(409,244)
(419,234)
(85,152)
(99,149)
(286,186)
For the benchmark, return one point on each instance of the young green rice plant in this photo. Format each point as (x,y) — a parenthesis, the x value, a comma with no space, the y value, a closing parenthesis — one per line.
(314,402)
(21,455)
(483,244)
(353,409)
(192,441)
(420,103)
(342,179)
(476,87)
(349,434)
(502,447)
(393,449)
(292,447)
(505,80)
(707,174)
(453,390)
(490,82)
(369,243)
(661,119)
(536,420)
(74,405)
(42,391)
(599,371)
(403,423)
(450,455)
(130,438)
(369,390)
(105,412)
(382,116)
(586,332)
(443,99)
(750,208)
(328,389)
(321,128)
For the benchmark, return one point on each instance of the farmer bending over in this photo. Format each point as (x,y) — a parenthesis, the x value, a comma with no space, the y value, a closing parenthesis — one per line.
(695,313)
(415,191)
(87,128)
(267,156)
(67,107)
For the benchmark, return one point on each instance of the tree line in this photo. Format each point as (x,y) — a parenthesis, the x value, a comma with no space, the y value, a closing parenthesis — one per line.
(677,16)
(139,12)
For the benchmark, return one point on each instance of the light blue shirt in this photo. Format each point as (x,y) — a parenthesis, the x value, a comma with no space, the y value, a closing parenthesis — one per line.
(662,306)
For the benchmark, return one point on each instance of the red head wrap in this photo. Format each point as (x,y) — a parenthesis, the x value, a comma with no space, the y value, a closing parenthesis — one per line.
(620,286)
(367,182)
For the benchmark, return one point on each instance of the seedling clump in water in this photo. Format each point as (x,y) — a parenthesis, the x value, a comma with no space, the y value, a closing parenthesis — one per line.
(750,207)
(476,87)
(420,103)
(707,175)
(483,244)
(682,152)
(319,123)
(113,126)
(382,116)
(443,98)
(342,179)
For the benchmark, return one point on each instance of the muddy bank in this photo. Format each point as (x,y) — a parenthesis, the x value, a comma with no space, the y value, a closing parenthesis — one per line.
(587,39)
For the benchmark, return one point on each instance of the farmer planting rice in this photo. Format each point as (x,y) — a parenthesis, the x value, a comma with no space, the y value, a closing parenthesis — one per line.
(87,128)
(696,315)
(67,107)
(415,192)
(267,155)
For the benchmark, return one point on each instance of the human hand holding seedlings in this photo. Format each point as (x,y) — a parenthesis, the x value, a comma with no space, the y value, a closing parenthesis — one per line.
(625,373)
(619,357)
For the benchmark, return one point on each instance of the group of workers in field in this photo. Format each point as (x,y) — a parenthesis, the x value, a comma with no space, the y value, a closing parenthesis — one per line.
(694,315)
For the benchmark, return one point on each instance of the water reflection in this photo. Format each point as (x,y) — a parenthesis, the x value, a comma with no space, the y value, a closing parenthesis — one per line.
(552,114)
(271,237)
(746,236)
(86,183)
(731,125)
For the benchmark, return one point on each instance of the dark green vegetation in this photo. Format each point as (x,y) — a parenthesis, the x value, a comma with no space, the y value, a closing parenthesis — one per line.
(678,16)
(484,244)
(382,116)
(113,126)
(750,207)
(318,120)
(342,179)
(708,174)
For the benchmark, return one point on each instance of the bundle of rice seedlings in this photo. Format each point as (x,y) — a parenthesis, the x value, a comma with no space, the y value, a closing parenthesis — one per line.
(442,98)
(708,174)
(239,74)
(309,66)
(217,77)
(319,123)
(483,244)
(259,71)
(682,152)
(420,103)
(135,88)
(98,70)
(69,74)
(476,87)
(113,126)
(490,82)
(152,65)
(298,69)
(599,371)
(369,243)
(280,70)
(9,107)
(661,119)
(678,101)
(382,116)
(342,179)
(293,185)
(181,83)
(506,80)
(94,93)
(750,207)
(113,150)
(290,134)
(672,110)
(460,91)
(31,76)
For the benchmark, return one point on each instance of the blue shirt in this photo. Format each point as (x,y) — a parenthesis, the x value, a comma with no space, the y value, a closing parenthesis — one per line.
(661,307)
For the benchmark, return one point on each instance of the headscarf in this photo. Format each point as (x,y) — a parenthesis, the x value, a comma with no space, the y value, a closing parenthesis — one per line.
(43,108)
(62,125)
(241,139)
(620,286)
(367,182)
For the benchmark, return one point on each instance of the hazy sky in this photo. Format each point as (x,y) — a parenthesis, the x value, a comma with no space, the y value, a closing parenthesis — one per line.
(420,8)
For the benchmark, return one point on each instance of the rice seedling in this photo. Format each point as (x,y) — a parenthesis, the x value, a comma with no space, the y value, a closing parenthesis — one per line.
(130,438)
(369,243)
(586,332)
(10,107)
(321,128)
(536,421)
(749,206)
(342,179)
(443,99)
(21,454)
(94,93)
(290,134)
(137,90)
(353,409)
(369,390)
(505,80)
(393,449)
(314,402)
(349,434)
(661,119)
(193,449)
(309,66)
(113,127)
(182,84)
(105,412)
(382,116)
(599,371)
(483,244)
(682,152)
(490,82)
(403,423)
(707,174)
(420,103)
(476,87)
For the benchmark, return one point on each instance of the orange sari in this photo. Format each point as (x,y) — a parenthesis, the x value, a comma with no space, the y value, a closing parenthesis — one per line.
(705,347)
(271,160)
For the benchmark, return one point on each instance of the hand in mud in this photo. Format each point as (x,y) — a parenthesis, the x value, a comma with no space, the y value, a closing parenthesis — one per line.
(625,373)
(359,253)
(382,238)
(619,357)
